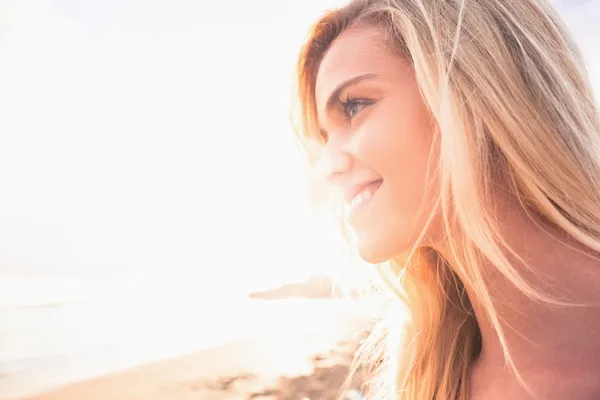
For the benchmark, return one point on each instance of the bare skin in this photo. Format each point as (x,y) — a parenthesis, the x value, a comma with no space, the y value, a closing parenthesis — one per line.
(381,137)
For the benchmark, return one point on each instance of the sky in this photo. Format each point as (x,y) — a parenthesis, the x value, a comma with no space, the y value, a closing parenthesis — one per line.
(151,137)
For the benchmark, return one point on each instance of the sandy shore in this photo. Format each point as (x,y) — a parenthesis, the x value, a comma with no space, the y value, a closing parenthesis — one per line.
(304,365)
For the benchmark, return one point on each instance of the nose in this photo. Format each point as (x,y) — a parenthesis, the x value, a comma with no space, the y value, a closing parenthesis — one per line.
(334,163)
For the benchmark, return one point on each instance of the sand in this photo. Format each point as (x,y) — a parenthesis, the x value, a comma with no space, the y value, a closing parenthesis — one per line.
(299,366)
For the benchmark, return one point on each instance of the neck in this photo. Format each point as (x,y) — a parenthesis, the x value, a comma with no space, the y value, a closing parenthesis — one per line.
(552,346)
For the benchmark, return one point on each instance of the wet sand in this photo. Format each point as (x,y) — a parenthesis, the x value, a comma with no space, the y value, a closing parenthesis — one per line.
(300,366)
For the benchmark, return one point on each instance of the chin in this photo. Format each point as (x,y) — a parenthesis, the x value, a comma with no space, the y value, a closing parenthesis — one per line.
(372,258)
(379,247)
(374,251)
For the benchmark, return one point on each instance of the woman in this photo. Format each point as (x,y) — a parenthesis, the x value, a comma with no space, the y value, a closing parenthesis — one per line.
(465,139)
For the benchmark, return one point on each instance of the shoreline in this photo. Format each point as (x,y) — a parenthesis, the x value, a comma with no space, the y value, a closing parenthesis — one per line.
(276,321)
(265,368)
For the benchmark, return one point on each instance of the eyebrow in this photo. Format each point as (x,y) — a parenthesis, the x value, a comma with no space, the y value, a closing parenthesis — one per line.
(334,96)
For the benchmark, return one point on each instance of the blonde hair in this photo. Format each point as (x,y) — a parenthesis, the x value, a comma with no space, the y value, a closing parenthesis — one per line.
(509,91)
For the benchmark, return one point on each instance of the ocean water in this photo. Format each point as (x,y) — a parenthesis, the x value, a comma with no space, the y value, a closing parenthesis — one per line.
(56,340)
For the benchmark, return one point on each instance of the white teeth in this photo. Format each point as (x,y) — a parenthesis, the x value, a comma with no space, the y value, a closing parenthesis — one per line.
(362,197)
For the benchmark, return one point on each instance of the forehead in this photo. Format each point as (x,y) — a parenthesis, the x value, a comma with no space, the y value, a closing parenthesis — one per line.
(357,51)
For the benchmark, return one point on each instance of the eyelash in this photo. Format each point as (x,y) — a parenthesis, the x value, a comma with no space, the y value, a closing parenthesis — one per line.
(344,106)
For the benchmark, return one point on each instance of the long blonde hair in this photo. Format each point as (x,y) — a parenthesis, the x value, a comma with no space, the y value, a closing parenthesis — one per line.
(509,91)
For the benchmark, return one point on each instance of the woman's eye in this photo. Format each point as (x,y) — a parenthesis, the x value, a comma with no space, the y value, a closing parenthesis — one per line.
(351,107)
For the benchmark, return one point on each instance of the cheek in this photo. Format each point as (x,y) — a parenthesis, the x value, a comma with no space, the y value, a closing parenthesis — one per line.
(399,147)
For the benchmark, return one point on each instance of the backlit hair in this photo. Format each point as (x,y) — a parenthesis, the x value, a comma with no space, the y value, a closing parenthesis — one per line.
(509,92)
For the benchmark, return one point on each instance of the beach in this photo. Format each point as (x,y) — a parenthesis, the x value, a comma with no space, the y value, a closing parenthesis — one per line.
(268,346)
(307,366)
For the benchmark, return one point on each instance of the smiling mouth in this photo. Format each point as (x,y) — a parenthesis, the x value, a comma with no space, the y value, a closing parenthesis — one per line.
(364,196)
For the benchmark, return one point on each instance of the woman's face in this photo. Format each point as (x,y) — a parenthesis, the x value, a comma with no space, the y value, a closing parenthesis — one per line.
(379,143)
